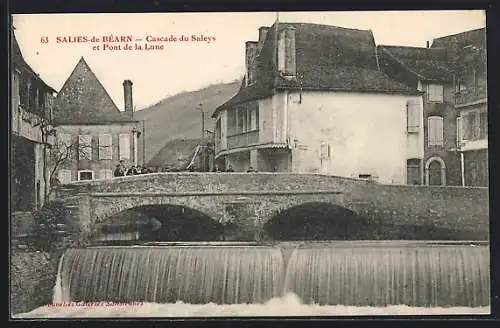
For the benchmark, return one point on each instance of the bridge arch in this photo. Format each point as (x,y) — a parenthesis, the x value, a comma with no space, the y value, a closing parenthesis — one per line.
(105,207)
(317,220)
(159,223)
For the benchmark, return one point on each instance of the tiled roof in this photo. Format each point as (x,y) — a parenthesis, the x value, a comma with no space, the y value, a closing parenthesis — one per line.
(475,37)
(428,64)
(19,62)
(175,153)
(327,58)
(84,100)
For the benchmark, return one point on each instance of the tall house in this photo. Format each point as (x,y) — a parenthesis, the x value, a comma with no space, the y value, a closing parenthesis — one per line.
(31,118)
(315,100)
(427,70)
(93,135)
(467,54)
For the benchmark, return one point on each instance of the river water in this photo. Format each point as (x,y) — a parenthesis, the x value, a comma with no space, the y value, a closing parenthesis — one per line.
(224,279)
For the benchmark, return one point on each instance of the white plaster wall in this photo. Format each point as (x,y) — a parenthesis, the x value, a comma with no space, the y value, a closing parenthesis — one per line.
(366,133)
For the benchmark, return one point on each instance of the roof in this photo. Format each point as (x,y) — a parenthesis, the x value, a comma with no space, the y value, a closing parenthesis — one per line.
(84,100)
(475,37)
(327,58)
(175,153)
(18,61)
(427,64)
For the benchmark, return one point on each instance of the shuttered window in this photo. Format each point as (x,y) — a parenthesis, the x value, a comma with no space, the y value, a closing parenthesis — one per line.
(124,146)
(105,146)
(325,150)
(459,131)
(85,146)
(435,92)
(64,145)
(483,125)
(413,116)
(435,131)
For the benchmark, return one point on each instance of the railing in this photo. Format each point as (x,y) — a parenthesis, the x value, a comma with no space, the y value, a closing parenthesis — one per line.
(243,139)
(466,97)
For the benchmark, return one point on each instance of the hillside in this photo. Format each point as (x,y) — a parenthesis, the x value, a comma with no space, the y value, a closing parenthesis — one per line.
(176,117)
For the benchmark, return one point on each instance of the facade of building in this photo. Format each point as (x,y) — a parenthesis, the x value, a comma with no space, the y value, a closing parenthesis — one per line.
(426,69)
(93,135)
(315,100)
(467,55)
(452,73)
(31,117)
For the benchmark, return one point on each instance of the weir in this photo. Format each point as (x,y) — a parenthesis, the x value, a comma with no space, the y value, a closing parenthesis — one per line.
(358,273)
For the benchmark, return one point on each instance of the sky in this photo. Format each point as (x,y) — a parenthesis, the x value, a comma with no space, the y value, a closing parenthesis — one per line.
(191,65)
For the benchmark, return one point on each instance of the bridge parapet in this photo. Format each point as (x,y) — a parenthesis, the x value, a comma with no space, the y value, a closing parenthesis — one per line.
(216,182)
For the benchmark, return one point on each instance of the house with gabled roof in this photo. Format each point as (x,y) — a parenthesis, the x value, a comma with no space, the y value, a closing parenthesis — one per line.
(427,69)
(314,99)
(93,135)
(31,117)
(452,74)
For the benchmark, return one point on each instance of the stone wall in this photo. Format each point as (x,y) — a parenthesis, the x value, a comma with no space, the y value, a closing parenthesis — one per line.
(464,210)
(32,280)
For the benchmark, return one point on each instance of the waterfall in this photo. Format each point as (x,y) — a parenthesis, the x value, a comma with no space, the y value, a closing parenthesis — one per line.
(58,289)
(421,275)
(225,275)
(337,273)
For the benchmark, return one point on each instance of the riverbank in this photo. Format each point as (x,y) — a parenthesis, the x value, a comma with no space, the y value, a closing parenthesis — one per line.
(32,280)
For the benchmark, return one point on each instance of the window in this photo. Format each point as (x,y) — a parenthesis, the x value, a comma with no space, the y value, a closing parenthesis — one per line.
(413,171)
(435,92)
(412,116)
(483,125)
(324,150)
(466,127)
(459,131)
(124,146)
(473,125)
(105,174)
(85,175)
(105,146)
(64,176)
(435,131)
(281,54)
(85,147)
(64,143)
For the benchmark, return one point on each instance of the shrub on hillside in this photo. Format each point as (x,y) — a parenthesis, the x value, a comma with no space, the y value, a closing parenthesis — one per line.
(50,231)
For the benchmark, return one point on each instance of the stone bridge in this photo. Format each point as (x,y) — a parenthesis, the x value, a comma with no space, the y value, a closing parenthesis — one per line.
(253,199)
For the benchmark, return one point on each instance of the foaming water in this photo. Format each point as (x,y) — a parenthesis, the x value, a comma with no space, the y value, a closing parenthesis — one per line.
(289,305)
(358,274)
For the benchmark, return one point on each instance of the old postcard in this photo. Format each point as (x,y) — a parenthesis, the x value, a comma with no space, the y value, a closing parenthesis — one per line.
(249,164)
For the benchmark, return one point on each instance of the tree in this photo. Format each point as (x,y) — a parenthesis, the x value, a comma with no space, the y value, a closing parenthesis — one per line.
(47,130)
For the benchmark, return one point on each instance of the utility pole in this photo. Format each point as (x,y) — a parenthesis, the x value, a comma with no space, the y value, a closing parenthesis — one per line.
(202,157)
(144,142)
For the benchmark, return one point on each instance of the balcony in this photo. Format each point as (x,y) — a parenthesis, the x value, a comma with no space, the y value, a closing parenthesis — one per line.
(470,97)
(244,139)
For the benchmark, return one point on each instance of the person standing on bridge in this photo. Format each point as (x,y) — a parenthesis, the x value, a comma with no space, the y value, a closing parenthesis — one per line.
(230,168)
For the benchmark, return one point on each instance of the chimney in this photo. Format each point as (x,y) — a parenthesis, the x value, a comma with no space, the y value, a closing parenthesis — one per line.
(427,44)
(127,95)
(250,54)
(262,35)
(286,51)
